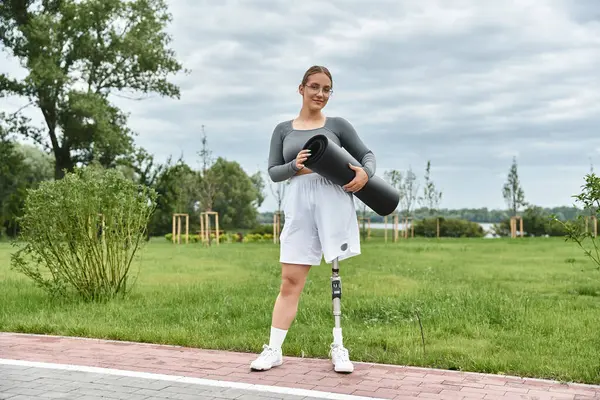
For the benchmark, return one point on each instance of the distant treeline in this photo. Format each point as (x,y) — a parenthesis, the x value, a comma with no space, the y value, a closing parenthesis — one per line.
(481,215)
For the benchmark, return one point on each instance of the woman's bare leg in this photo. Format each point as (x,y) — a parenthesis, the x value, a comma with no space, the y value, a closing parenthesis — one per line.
(293,278)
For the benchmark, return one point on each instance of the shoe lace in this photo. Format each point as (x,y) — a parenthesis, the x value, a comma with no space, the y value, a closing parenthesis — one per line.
(267,351)
(341,352)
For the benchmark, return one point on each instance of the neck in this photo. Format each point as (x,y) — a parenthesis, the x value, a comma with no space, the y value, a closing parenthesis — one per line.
(309,115)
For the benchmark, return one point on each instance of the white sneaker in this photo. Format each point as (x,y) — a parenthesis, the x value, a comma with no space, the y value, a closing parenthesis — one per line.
(267,359)
(340,359)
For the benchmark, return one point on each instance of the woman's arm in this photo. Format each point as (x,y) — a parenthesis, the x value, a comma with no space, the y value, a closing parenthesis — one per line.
(350,140)
(278,169)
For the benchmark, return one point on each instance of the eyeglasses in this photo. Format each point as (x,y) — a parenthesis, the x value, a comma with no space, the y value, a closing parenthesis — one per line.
(314,89)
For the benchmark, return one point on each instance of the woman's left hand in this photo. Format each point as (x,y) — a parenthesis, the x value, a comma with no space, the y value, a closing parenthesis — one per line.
(359,180)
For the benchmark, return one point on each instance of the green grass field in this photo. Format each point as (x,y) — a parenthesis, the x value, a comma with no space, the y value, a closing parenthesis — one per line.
(528,307)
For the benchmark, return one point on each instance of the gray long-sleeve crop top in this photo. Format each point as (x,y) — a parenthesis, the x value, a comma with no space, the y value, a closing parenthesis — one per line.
(286,142)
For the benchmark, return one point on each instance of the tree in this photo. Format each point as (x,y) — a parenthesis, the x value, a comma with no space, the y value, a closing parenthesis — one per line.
(40,164)
(209,182)
(78,53)
(590,207)
(512,190)
(278,192)
(259,185)
(22,167)
(11,182)
(143,168)
(362,208)
(396,180)
(172,196)
(237,198)
(431,197)
(410,189)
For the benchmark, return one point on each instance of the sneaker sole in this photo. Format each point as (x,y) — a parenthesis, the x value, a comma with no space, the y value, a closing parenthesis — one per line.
(343,371)
(276,364)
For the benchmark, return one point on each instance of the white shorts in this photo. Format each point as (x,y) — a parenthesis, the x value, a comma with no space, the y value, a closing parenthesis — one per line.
(320,220)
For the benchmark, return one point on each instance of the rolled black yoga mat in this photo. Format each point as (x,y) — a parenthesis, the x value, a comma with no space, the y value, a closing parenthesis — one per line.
(331,161)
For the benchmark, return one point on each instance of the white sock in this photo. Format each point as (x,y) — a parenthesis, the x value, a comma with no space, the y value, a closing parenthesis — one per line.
(277,337)
(337,336)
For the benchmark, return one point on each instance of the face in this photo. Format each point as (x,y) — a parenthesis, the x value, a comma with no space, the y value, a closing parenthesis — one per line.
(316,91)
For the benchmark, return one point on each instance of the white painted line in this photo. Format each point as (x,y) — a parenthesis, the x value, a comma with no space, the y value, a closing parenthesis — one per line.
(186,379)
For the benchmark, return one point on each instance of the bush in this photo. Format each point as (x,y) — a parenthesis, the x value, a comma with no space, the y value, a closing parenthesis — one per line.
(223,238)
(258,238)
(450,227)
(576,231)
(82,232)
(231,237)
(536,222)
(263,229)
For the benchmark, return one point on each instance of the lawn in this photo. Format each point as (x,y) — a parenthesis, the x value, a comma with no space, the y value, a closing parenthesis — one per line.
(527,307)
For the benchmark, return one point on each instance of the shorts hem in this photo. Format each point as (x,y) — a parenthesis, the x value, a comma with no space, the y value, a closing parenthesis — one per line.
(300,262)
(344,256)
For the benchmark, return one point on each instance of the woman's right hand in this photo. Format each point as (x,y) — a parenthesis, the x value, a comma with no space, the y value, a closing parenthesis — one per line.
(301,157)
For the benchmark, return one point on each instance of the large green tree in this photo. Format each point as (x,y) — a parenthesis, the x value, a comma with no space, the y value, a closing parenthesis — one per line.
(177,188)
(238,196)
(77,53)
(11,166)
(21,167)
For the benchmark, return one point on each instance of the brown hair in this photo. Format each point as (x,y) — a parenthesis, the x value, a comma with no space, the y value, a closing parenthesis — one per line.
(315,69)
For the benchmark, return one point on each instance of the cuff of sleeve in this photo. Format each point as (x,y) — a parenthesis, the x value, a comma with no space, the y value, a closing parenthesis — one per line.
(293,165)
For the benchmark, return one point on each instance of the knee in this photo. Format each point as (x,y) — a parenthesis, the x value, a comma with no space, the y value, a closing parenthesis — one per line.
(291,286)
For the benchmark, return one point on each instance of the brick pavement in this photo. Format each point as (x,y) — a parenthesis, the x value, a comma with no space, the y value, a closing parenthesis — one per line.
(370,380)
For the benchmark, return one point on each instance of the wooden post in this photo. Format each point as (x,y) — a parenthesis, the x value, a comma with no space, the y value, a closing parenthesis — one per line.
(176,235)
(396,227)
(360,220)
(276,226)
(406,221)
(205,226)
(438,227)
(385,228)
(513,226)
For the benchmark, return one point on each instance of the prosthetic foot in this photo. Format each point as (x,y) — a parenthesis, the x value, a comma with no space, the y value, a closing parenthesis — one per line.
(339,354)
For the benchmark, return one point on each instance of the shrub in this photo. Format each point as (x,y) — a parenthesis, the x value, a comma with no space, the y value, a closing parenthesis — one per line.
(576,231)
(450,227)
(258,238)
(263,229)
(231,237)
(536,222)
(82,232)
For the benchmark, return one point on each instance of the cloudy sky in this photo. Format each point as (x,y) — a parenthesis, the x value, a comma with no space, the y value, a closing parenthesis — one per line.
(467,84)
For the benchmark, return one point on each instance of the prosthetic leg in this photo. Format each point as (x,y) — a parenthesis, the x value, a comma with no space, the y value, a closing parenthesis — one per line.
(339,355)
(336,293)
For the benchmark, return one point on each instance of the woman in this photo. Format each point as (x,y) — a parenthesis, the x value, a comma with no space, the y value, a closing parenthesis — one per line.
(320,218)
